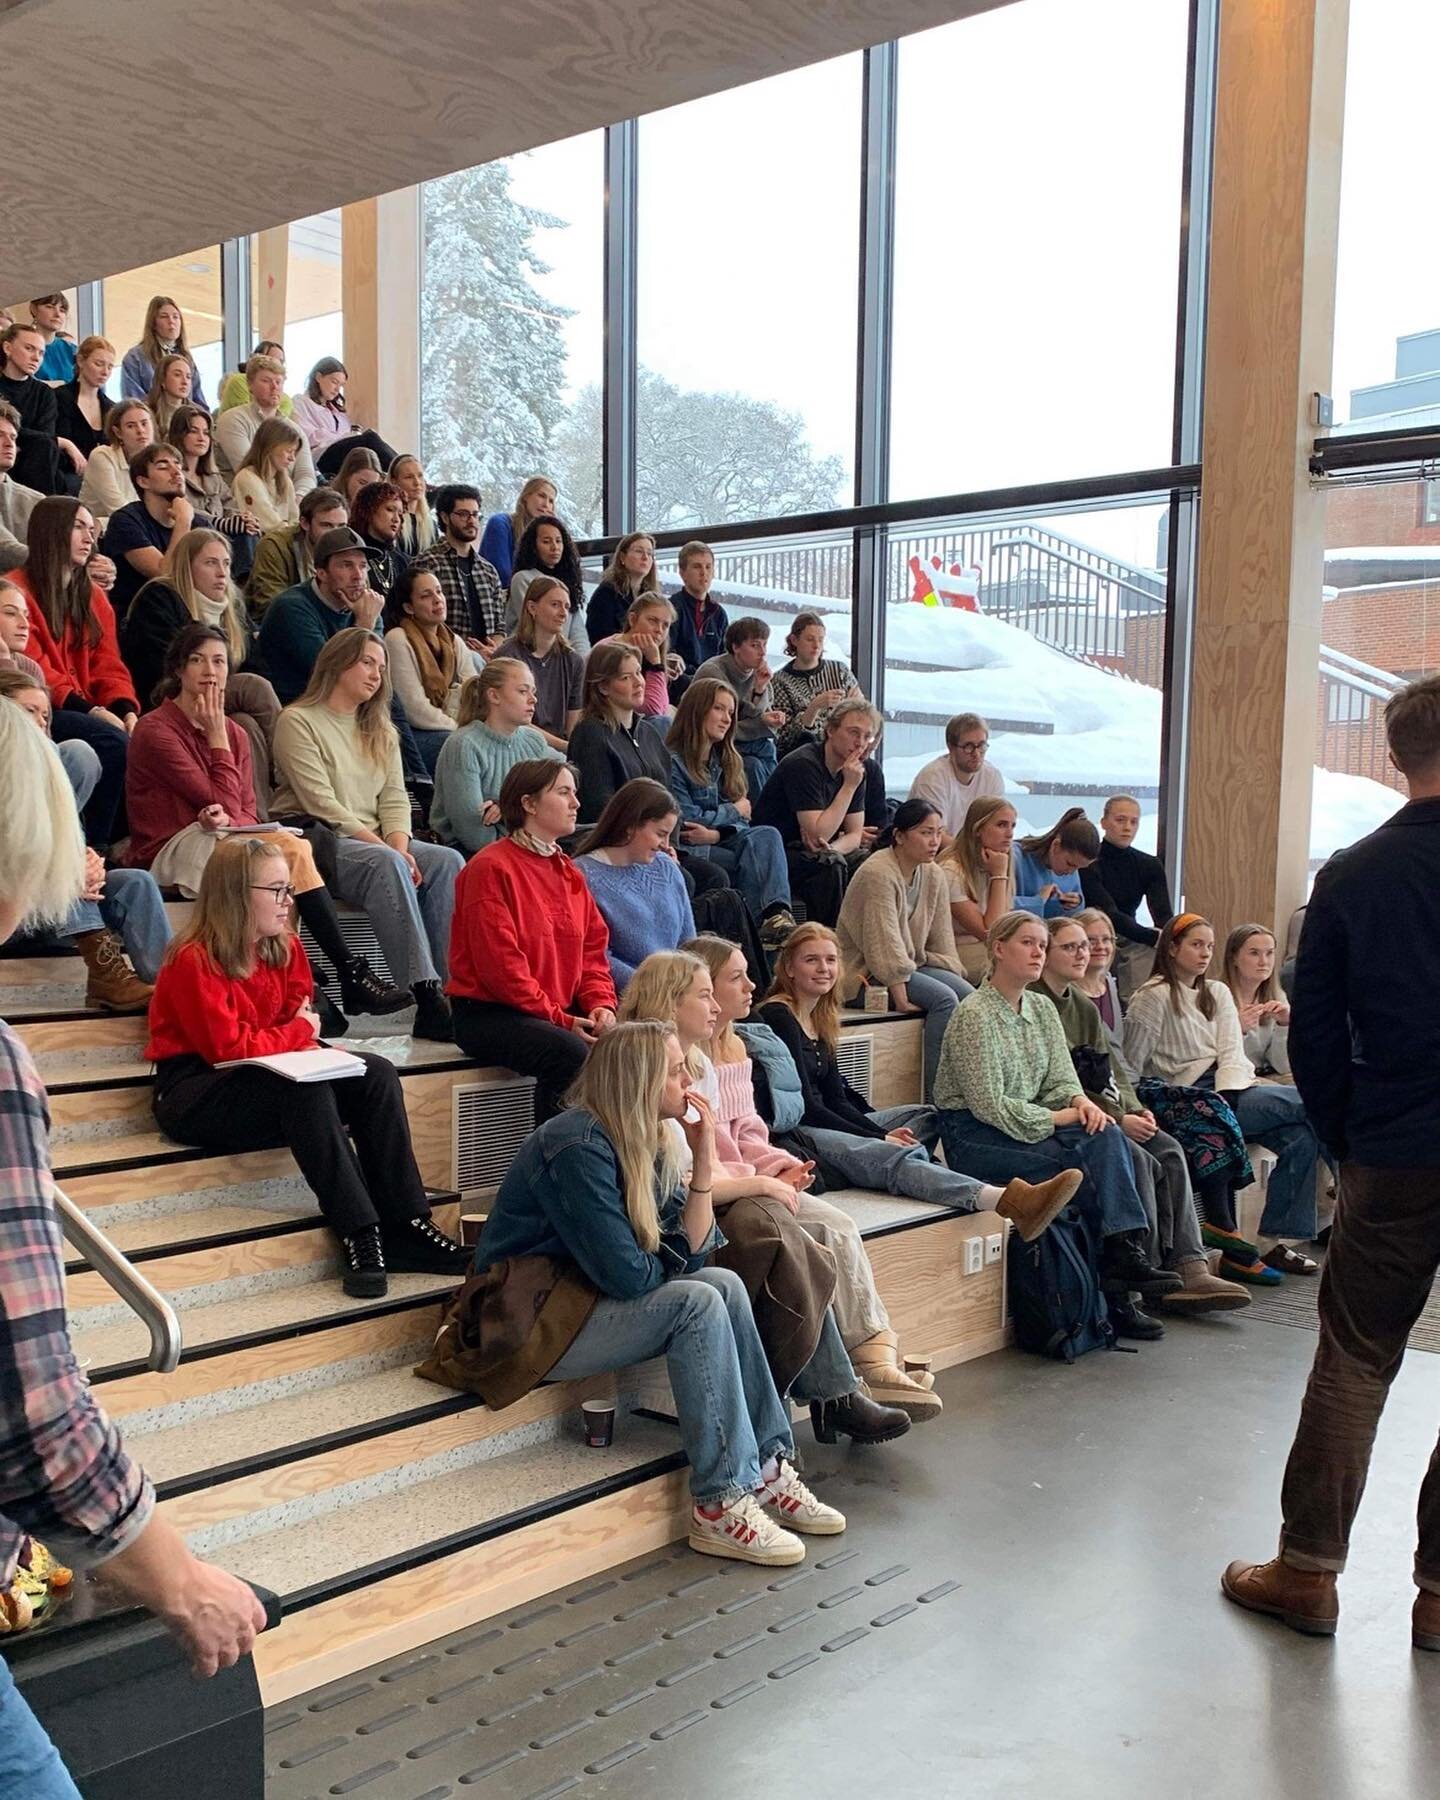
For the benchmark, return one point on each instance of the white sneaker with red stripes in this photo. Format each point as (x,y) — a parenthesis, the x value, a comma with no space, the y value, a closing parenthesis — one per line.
(796,1507)
(746,1533)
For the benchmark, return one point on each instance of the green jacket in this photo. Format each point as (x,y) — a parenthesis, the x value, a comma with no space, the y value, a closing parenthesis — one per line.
(1083,1026)
(282,560)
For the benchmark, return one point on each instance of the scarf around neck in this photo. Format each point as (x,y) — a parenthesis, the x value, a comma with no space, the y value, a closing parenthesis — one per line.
(437,662)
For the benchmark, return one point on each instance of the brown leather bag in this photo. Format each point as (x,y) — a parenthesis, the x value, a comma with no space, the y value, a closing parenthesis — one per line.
(508,1327)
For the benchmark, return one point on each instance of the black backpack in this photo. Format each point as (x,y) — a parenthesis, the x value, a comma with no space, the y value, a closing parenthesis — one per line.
(1053,1285)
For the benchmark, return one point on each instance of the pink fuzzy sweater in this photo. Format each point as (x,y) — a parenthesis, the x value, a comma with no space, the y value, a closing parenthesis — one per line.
(741,1141)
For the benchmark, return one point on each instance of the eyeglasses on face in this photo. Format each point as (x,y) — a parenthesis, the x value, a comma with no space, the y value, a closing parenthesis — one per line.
(279,891)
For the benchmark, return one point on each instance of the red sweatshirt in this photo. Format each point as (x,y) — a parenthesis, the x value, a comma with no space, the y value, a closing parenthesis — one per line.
(197,1011)
(527,934)
(172,774)
(74,666)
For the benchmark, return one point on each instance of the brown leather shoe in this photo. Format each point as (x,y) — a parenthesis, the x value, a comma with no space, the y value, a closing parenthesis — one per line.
(1303,1599)
(1425,1621)
(1031,1207)
(113,985)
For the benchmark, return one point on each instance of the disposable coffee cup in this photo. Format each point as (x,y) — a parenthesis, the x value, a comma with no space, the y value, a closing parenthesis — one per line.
(918,1365)
(599,1423)
(470,1228)
(877,999)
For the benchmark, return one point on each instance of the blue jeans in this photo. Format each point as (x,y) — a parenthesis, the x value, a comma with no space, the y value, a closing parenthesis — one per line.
(411,925)
(410,758)
(132,908)
(937,992)
(731,1419)
(759,760)
(1275,1117)
(429,744)
(847,1160)
(81,763)
(755,861)
(1107,1195)
(112,747)
(30,1765)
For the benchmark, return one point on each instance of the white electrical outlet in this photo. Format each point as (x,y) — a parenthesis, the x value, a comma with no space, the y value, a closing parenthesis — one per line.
(974,1255)
(994,1244)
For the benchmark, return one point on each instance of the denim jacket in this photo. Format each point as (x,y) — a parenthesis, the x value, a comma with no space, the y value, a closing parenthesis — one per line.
(701,802)
(563,1198)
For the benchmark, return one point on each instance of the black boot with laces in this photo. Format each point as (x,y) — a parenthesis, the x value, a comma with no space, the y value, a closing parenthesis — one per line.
(362,990)
(432,1013)
(420,1247)
(362,1258)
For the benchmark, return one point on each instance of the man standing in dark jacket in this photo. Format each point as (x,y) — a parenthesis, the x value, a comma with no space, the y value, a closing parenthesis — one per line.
(1365,1052)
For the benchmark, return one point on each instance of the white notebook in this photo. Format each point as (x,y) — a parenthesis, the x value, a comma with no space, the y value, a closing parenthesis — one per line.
(320,1064)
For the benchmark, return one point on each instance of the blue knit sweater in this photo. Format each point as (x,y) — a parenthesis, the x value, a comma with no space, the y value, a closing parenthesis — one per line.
(473,763)
(646,906)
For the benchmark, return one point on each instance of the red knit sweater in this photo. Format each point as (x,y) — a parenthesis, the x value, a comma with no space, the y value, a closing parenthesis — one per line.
(527,934)
(198,1011)
(74,667)
(172,774)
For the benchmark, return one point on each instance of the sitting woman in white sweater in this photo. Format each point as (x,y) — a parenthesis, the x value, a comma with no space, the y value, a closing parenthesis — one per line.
(895,928)
(429,664)
(1254,984)
(1182,1028)
(262,486)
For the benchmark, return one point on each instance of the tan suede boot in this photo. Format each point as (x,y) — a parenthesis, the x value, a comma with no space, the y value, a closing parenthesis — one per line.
(1203,1292)
(113,985)
(1031,1207)
(877,1363)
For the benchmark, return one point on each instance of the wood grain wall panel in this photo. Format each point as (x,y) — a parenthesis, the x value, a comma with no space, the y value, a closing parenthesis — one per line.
(1270,331)
(435,89)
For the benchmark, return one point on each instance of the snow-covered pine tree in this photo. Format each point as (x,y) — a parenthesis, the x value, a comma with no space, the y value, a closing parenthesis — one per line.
(493,353)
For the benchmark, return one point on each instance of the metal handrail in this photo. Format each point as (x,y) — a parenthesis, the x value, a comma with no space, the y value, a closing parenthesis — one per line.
(1025,541)
(154,1310)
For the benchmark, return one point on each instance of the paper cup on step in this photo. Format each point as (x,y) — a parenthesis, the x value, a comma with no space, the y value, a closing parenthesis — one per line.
(918,1365)
(599,1418)
(471,1225)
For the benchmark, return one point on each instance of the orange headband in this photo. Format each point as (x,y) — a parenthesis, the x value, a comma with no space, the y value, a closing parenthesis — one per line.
(1182,922)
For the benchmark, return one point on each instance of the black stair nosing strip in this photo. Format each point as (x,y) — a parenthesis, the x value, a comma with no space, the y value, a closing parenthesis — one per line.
(99,1084)
(119,1165)
(219,1240)
(869,1233)
(405,1561)
(340,1439)
(278,1334)
(58,1015)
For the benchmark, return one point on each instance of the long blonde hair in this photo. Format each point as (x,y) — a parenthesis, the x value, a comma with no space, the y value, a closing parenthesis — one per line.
(518,520)
(963,852)
(715,952)
(372,716)
(419,531)
(475,694)
(175,572)
(42,851)
(655,990)
(525,624)
(220,923)
(161,403)
(686,737)
(620,1086)
(150,344)
(273,435)
(825,1014)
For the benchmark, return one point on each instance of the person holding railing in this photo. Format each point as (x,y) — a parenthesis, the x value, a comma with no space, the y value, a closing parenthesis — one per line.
(64,1472)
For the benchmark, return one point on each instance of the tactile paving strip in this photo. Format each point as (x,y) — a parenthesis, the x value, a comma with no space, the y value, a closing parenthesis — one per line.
(547,1700)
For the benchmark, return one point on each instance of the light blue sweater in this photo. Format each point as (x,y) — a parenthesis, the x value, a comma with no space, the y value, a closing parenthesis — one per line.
(472,765)
(646,906)
(1031,874)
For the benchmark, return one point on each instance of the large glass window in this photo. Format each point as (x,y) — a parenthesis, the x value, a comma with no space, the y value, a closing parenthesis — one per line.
(309,318)
(193,283)
(512,327)
(777,578)
(1053,629)
(1038,199)
(1387,301)
(747,279)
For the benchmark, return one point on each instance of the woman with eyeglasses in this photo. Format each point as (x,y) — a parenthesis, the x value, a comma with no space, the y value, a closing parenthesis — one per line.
(237,985)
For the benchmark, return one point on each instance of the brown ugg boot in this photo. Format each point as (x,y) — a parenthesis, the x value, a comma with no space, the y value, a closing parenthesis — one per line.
(113,985)
(1031,1207)
(1203,1292)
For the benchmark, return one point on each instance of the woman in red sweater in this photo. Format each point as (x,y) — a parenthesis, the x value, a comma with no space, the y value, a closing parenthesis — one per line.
(236,984)
(190,777)
(529,974)
(72,637)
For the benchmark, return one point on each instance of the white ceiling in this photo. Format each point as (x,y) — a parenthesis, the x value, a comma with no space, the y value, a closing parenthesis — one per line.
(161,127)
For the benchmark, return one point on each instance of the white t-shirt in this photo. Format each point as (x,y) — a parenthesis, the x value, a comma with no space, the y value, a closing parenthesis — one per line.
(938,781)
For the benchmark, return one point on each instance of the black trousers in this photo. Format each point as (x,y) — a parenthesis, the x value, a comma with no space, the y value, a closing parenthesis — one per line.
(351,1138)
(103,809)
(330,458)
(819,882)
(507,1039)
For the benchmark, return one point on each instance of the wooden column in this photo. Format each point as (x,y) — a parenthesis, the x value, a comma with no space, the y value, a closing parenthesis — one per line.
(380,292)
(1278,127)
(272,278)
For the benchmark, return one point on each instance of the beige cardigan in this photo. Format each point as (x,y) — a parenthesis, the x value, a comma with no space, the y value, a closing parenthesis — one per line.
(880,940)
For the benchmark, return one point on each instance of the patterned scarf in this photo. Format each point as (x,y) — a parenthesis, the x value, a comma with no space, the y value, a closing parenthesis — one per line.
(538,846)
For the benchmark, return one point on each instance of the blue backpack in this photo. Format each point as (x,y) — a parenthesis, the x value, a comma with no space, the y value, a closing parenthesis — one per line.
(1053,1285)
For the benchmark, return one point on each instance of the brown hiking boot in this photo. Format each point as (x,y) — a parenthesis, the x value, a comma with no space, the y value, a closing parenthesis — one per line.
(1204,1292)
(1303,1599)
(113,985)
(1425,1621)
(1031,1207)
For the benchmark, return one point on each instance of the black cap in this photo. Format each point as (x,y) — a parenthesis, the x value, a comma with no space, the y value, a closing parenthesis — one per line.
(332,542)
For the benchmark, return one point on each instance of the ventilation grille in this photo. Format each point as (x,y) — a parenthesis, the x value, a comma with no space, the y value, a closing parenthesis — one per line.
(360,939)
(492,1119)
(855,1057)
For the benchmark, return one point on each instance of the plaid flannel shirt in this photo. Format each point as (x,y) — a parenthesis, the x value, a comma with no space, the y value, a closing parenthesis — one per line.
(444,564)
(64,1475)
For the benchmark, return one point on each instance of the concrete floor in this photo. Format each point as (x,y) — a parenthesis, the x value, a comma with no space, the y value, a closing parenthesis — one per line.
(1086,1654)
